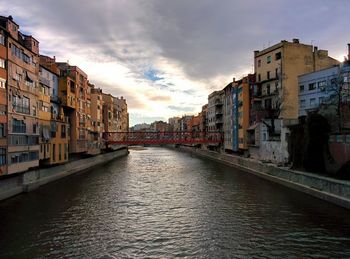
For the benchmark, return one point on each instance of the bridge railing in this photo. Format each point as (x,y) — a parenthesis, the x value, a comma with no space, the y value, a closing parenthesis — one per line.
(173,137)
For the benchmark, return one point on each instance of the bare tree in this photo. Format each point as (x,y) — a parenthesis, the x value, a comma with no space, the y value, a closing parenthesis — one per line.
(335,106)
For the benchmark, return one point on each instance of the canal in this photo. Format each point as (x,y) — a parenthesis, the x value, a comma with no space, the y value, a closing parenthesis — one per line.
(160,203)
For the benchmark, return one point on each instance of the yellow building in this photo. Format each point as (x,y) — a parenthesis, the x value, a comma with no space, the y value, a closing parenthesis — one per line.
(277,69)
(55,148)
(242,96)
(44,112)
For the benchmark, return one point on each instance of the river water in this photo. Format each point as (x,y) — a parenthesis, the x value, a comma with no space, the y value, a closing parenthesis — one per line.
(161,203)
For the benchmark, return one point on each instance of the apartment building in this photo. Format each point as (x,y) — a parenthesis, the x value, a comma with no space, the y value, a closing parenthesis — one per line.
(121,114)
(54,137)
(277,69)
(228,118)
(241,111)
(22,69)
(75,95)
(108,113)
(96,120)
(215,111)
(203,119)
(215,116)
(44,112)
(174,124)
(3,101)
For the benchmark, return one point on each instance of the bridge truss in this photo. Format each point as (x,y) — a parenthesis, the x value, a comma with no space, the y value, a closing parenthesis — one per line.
(158,138)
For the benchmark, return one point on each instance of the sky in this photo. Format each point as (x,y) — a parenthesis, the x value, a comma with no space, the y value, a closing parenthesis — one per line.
(166,56)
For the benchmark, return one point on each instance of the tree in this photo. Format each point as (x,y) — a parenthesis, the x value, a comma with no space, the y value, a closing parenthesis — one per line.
(335,107)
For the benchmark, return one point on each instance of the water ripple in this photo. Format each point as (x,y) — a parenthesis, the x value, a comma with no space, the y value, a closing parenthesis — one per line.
(159,203)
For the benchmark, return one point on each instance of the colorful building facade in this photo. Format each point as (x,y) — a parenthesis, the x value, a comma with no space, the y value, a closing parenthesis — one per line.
(22,69)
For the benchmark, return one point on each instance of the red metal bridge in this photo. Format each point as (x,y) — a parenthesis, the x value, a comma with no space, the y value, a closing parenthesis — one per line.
(158,138)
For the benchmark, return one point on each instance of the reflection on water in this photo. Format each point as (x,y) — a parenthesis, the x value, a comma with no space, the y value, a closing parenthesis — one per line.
(162,203)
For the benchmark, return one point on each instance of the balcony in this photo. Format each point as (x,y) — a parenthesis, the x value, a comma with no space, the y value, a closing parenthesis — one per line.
(218,103)
(44,81)
(268,80)
(219,121)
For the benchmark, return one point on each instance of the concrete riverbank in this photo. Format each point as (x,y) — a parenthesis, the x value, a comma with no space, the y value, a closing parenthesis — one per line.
(31,180)
(325,188)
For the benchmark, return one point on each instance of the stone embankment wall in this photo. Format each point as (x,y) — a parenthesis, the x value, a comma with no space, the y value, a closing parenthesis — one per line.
(31,180)
(326,188)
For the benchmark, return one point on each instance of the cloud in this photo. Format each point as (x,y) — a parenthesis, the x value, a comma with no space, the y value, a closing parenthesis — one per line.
(160,53)
(160,98)
(181,108)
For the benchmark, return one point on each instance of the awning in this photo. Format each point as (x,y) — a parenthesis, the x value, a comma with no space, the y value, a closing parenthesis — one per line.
(28,78)
(253,127)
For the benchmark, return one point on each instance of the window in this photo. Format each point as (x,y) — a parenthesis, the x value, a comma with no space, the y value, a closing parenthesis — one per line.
(302,103)
(268,59)
(53,129)
(312,102)
(65,151)
(59,152)
(2,83)
(267,103)
(63,131)
(322,85)
(2,63)
(301,88)
(2,130)
(33,156)
(2,39)
(268,90)
(21,105)
(278,55)
(18,126)
(312,86)
(259,63)
(268,75)
(276,72)
(2,156)
(321,99)
(53,152)
(259,77)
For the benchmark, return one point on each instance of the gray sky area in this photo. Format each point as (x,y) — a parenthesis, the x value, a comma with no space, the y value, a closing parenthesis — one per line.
(166,56)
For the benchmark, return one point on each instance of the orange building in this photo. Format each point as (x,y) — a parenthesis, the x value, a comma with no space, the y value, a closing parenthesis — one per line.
(76,100)
(97,126)
(242,87)
(22,53)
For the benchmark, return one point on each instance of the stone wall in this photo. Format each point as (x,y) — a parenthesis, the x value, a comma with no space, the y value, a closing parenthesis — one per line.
(326,188)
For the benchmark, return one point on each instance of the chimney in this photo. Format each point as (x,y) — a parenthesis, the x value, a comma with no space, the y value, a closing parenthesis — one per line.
(295,40)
